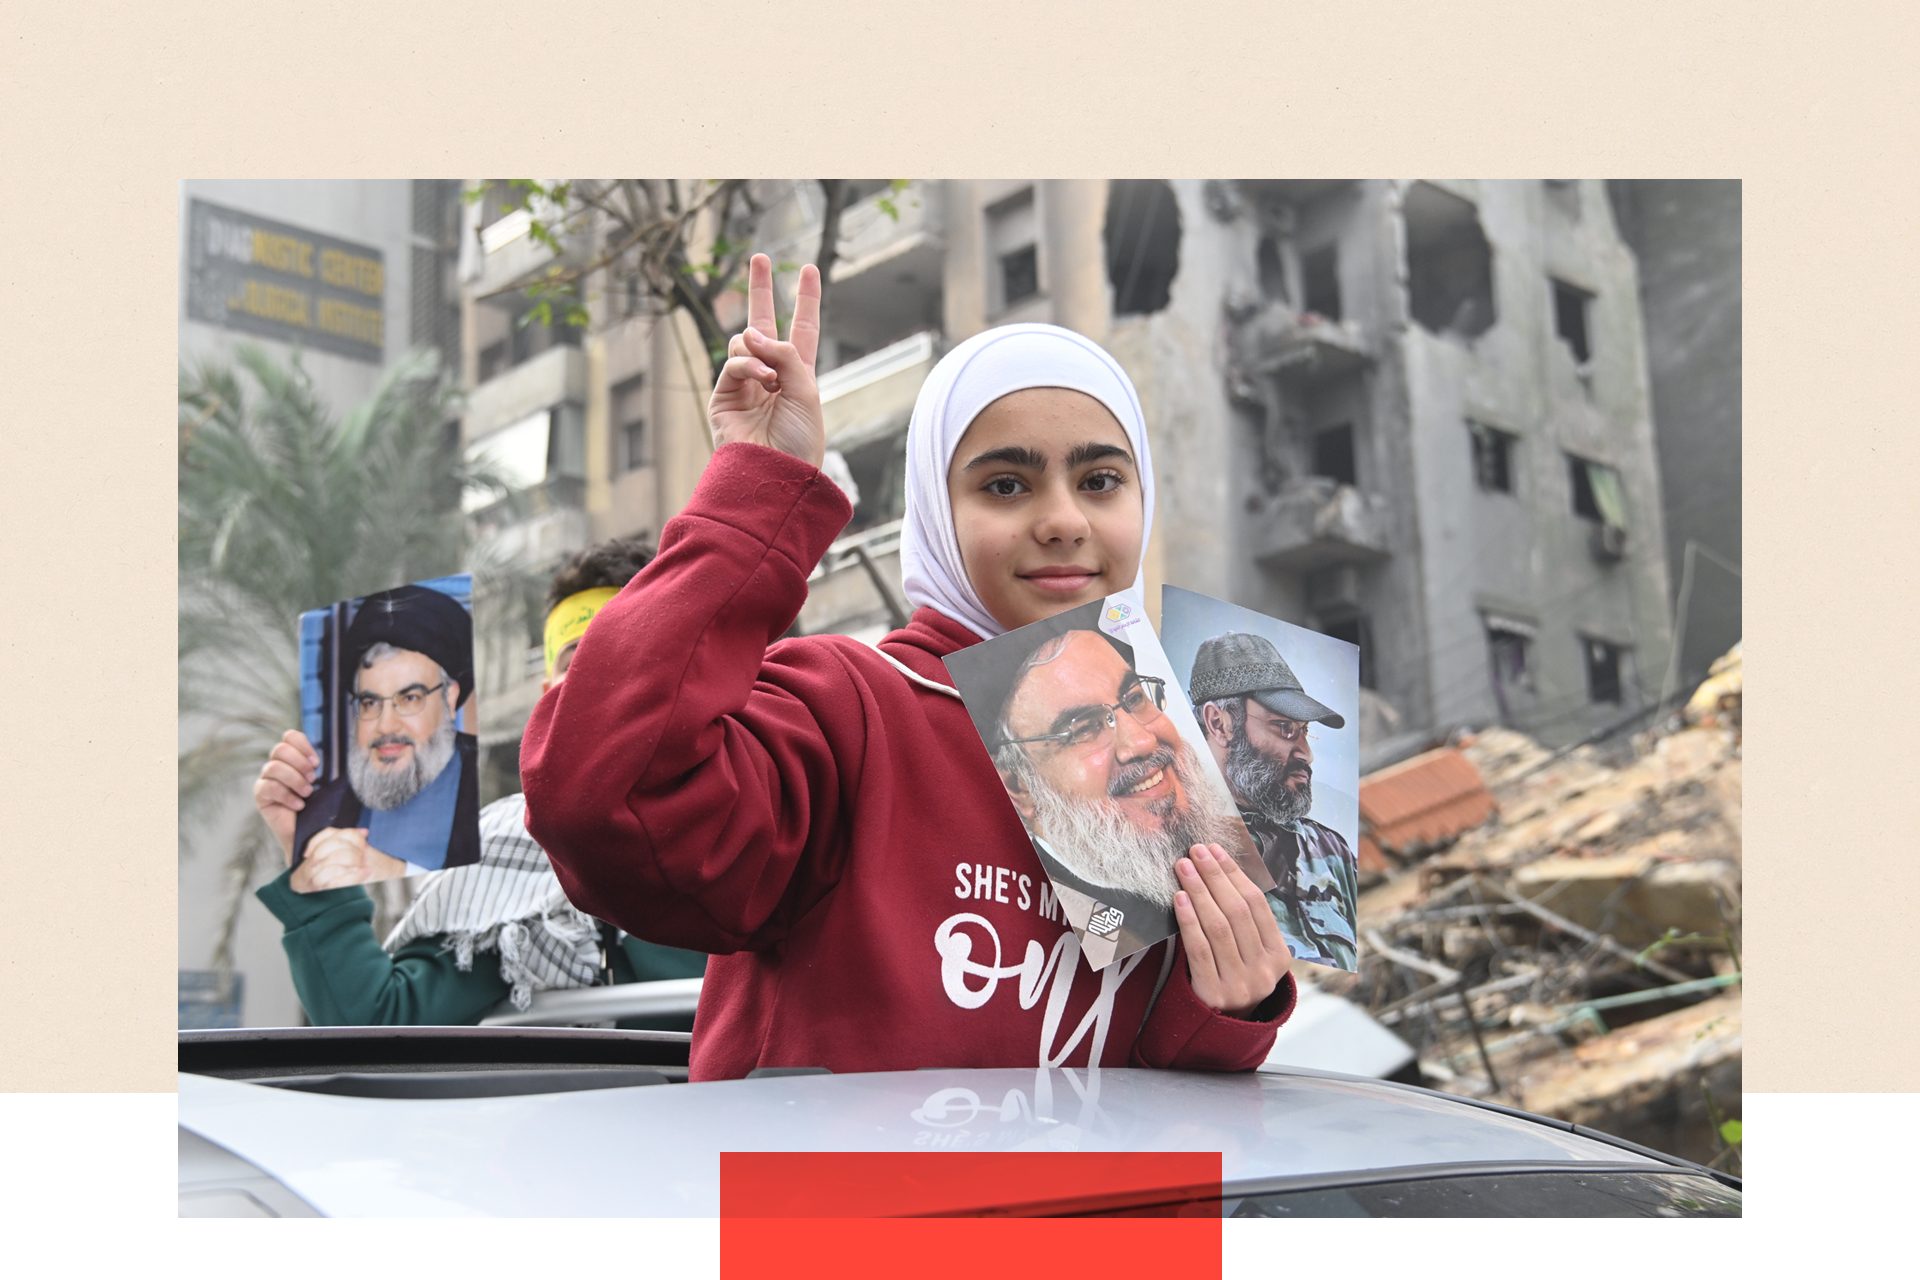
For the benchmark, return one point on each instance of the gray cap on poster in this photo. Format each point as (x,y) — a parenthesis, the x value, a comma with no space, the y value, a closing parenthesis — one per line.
(1237,664)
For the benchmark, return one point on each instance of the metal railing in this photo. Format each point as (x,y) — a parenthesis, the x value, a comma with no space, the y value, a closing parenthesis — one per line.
(600,1004)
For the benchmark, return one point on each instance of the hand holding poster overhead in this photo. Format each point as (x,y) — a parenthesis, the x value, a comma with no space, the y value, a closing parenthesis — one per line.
(384,681)
(1102,759)
(1278,705)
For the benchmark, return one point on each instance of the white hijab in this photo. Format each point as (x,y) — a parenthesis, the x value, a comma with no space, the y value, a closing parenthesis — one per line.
(970,377)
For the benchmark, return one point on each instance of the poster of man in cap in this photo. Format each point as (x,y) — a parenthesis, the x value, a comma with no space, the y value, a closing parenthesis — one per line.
(1101,757)
(384,686)
(1276,702)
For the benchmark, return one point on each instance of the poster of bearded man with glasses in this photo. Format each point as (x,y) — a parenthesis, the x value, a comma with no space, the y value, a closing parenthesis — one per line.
(1103,761)
(1274,701)
(385,684)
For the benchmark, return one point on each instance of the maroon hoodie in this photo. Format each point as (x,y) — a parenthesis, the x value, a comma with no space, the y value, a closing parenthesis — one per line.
(832,831)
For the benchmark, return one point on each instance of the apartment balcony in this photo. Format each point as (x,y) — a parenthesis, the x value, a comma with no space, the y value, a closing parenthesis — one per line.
(889,275)
(557,375)
(870,238)
(509,255)
(1316,522)
(856,588)
(864,397)
(1316,349)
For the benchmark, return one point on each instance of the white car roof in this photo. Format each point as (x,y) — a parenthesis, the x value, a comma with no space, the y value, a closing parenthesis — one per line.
(654,1151)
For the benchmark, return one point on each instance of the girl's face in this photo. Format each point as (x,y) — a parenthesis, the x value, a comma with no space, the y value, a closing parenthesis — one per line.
(1046,503)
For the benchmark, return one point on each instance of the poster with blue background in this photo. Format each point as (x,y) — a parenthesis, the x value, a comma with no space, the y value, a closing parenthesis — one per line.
(386,682)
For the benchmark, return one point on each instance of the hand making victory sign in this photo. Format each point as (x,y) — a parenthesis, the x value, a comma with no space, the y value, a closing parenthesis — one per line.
(766,393)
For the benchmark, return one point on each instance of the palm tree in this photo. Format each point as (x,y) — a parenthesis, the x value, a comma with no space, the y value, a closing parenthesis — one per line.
(284,509)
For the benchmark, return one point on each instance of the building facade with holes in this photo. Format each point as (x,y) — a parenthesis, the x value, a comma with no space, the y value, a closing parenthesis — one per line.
(1443,447)
(1413,414)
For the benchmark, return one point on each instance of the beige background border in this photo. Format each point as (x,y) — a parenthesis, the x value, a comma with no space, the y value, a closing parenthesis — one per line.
(103,112)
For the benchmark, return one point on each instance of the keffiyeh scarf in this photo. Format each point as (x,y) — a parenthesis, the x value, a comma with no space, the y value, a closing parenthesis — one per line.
(509,901)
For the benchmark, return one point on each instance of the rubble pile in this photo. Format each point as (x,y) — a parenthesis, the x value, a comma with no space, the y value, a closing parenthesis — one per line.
(1577,954)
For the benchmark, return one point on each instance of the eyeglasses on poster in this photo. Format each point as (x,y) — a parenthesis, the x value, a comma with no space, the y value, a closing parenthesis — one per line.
(385,683)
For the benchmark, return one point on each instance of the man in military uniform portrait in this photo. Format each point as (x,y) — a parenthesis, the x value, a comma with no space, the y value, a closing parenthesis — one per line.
(1256,717)
(409,798)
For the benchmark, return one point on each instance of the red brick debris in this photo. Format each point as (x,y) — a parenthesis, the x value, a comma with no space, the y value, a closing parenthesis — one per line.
(1419,803)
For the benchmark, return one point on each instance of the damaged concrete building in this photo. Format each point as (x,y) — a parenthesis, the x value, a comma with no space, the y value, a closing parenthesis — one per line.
(1433,439)
(1414,415)
(1411,414)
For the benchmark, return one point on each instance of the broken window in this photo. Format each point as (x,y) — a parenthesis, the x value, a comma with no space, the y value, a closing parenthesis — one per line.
(1354,629)
(1596,492)
(1143,245)
(630,424)
(1449,263)
(1604,663)
(1492,458)
(1013,246)
(1273,273)
(1508,654)
(1570,319)
(1020,275)
(1333,454)
(1320,281)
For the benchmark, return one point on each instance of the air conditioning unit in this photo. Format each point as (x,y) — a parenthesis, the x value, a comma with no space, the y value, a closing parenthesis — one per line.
(1608,542)
(1334,589)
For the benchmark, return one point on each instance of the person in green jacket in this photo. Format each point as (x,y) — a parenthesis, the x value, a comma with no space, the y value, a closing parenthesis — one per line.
(510,904)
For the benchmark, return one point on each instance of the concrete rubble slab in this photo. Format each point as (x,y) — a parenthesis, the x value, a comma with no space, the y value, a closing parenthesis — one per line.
(1504,956)
(1633,897)
(1643,1081)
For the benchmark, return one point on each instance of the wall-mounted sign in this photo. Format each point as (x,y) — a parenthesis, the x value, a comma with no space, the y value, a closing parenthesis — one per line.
(263,277)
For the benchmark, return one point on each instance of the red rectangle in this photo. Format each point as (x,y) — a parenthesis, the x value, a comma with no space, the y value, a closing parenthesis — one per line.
(969,1248)
(918,1184)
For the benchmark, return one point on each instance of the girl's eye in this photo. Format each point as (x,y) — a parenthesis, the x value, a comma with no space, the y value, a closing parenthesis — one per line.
(1003,487)
(1103,481)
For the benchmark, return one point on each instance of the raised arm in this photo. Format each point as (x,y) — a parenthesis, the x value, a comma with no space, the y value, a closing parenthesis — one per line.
(680,780)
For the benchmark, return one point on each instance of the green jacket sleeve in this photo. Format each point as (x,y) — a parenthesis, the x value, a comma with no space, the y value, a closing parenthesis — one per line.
(346,979)
(651,962)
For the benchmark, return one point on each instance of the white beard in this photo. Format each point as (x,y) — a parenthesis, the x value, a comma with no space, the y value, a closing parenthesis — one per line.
(1097,841)
(383,789)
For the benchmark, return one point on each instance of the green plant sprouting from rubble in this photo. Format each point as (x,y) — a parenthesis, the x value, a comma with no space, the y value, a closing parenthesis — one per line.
(1725,1129)
(1674,938)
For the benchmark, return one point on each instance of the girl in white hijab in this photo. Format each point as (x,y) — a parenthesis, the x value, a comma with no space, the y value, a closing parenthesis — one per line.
(974,375)
(803,809)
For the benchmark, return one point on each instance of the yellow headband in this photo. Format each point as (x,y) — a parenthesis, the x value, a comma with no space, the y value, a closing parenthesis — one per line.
(569,619)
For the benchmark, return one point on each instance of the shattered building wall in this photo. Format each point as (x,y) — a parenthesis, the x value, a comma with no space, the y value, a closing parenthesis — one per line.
(1560,373)
(1414,415)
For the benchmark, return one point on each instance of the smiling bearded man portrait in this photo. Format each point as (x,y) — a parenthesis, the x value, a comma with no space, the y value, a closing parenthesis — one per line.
(409,797)
(1110,792)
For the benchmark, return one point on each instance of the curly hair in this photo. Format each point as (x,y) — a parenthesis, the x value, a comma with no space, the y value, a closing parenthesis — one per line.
(604,564)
